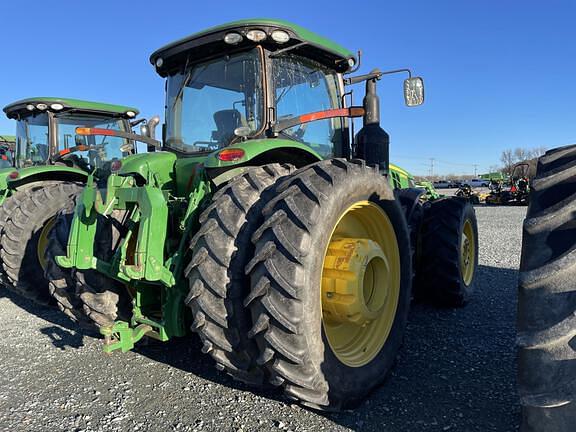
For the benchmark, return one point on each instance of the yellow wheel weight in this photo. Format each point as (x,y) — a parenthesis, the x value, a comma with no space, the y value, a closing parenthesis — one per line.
(360,284)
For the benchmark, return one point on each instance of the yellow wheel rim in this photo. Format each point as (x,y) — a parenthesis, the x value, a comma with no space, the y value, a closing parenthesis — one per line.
(467,253)
(43,241)
(360,284)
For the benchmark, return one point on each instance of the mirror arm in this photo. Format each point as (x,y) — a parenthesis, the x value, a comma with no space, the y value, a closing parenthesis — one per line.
(376,74)
(137,122)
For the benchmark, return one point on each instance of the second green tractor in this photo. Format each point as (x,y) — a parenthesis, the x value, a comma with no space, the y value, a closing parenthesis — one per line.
(48,167)
(265,225)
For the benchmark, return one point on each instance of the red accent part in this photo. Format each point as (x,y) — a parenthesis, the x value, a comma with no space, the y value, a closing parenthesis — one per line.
(319,115)
(115,165)
(95,131)
(231,154)
(4,157)
(14,175)
(64,152)
(513,188)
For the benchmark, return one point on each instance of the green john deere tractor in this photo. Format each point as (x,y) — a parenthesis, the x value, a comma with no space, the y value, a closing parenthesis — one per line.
(546,336)
(51,165)
(265,225)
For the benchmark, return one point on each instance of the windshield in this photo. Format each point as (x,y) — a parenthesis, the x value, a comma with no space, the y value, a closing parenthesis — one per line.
(86,152)
(210,100)
(90,152)
(303,86)
(32,141)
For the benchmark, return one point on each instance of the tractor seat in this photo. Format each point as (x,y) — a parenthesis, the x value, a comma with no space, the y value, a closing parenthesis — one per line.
(227,121)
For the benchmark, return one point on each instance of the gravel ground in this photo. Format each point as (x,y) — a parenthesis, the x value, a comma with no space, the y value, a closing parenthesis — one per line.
(455,372)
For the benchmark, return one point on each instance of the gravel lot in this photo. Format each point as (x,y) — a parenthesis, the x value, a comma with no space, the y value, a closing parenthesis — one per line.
(456,371)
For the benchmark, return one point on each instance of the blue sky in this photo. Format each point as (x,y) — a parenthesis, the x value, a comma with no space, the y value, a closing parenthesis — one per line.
(498,74)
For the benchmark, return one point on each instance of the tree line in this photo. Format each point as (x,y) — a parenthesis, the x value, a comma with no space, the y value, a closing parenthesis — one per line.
(510,158)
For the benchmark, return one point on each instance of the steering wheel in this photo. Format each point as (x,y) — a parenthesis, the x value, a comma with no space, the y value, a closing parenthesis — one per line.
(62,154)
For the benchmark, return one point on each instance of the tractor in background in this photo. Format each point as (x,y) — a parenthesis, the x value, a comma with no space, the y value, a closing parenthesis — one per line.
(265,225)
(51,164)
(466,192)
(518,191)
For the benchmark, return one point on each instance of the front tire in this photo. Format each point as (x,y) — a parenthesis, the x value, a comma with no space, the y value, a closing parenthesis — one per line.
(547,298)
(333,232)
(448,255)
(25,236)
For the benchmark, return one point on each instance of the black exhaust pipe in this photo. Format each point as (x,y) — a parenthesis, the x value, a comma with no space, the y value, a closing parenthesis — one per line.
(372,142)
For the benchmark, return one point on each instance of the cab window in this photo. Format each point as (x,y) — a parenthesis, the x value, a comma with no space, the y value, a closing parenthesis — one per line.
(302,86)
(32,141)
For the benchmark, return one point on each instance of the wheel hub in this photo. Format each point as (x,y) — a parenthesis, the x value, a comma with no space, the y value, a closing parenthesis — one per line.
(351,270)
(43,241)
(466,251)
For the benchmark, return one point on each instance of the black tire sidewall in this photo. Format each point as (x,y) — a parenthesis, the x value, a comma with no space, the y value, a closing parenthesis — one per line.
(348,384)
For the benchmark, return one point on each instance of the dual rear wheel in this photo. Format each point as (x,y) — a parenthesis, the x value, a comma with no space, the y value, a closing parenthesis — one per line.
(319,304)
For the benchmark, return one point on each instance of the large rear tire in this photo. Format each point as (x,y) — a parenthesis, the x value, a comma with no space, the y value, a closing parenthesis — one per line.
(448,255)
(218,285)
(332,233)
(547,298)
(25,236)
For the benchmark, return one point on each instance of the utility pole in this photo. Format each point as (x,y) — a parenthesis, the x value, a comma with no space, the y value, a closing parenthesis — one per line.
(475,170)
(432,167)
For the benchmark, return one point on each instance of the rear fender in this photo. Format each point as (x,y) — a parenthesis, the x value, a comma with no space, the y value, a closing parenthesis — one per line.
(259,152)
(44,173)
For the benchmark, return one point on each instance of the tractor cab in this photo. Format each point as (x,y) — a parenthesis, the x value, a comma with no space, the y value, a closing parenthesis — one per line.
(46,133)
(257,80)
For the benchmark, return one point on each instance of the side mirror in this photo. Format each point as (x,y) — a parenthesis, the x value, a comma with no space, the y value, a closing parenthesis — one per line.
(414,91)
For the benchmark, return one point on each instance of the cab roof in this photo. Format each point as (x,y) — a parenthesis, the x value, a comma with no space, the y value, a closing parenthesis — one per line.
(21,107)
(210,42)
(7,139)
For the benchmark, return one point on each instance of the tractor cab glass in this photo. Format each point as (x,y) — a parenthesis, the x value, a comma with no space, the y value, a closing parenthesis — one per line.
(212,103)
(32,141)
(303,86)
(90,152)
(5,156)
